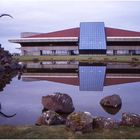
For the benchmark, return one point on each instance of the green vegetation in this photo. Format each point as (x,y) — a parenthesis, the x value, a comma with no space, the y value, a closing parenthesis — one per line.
(61,132)
(81,58)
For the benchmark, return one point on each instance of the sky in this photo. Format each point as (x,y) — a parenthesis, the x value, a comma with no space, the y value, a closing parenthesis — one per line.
(51,15)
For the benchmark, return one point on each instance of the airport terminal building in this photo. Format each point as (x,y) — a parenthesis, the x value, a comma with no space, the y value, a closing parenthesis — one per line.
(89,38)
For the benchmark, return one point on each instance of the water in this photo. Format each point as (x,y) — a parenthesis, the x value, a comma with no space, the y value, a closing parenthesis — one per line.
(86,84)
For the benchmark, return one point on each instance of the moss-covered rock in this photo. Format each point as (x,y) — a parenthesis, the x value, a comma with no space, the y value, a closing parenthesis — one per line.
(50,118)
(58,102)
(105,123)
(79,122)
(111,101)
(130,119)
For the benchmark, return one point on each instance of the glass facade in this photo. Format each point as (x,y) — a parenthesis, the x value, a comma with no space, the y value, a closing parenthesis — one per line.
(92,36)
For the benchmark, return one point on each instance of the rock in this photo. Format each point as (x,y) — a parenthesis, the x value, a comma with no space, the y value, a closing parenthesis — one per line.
(104,123)
(4,60)
(79,122)
(50,118)
(2,68)
(7,61)
(15,66)
(7,66)
(130,119)
(78,133)
(111,101)
(112,110)
(58,102)
(40,121)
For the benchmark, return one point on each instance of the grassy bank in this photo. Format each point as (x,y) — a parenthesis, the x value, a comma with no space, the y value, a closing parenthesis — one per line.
(60,132)
(81,58)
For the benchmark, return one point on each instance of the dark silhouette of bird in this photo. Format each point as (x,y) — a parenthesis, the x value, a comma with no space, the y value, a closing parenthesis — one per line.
(5,15)
(4,115)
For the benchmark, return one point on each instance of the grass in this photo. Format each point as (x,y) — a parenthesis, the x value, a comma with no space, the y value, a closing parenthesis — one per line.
(82,58)
(60,132)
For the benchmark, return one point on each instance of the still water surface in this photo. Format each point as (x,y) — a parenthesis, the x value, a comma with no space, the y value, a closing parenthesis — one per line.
(86,84)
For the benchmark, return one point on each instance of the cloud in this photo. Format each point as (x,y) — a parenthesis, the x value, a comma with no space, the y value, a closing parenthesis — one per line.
(51,15)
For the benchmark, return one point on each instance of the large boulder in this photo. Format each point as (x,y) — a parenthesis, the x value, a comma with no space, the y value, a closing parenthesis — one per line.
(130,119)
(104,123)
(58,102)
(50,118)
(111,101)
(112,110)
(79,122)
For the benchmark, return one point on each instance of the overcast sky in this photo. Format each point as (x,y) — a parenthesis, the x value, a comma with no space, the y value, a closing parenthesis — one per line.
(51,15)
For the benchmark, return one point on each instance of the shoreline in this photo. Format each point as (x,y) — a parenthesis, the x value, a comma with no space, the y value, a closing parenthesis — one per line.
(83,58)
(56,131)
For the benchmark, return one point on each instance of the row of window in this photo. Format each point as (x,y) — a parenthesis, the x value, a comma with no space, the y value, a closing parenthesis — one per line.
(51,52)
(122,52)
(58,52)
(75,52)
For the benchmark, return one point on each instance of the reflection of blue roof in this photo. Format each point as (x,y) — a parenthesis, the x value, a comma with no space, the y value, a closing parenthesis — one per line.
(92,78)
(92,36)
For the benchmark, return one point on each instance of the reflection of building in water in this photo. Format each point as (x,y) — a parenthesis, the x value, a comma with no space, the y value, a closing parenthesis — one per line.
(91,78)
(68,72)
(53,65)
(89,38)
(63,72)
